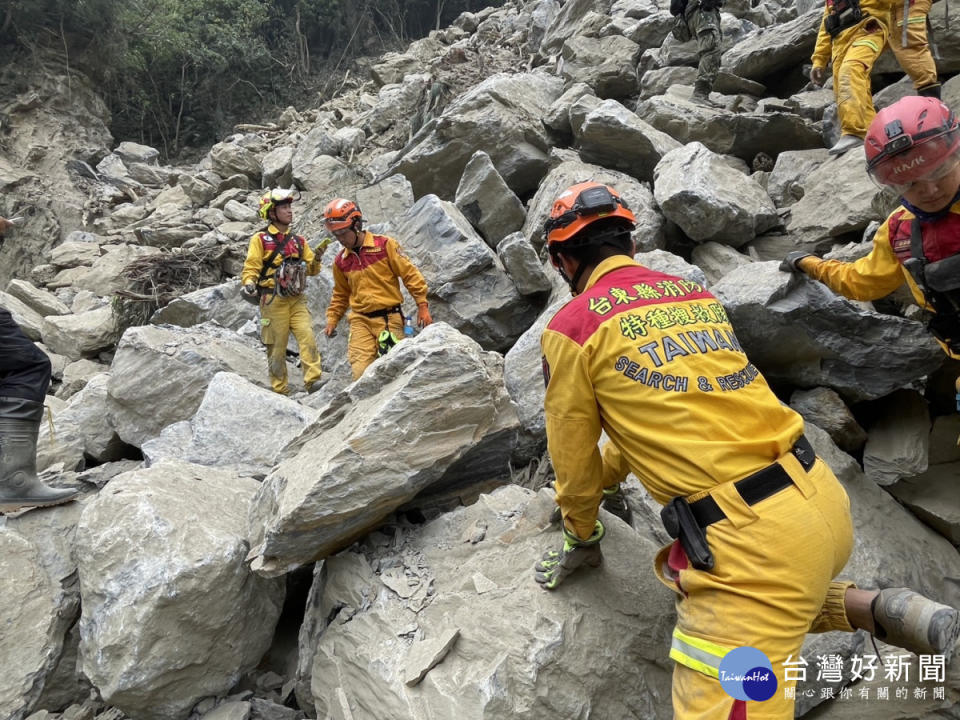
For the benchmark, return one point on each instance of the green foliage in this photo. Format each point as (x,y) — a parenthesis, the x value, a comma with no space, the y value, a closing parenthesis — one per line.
(178,72)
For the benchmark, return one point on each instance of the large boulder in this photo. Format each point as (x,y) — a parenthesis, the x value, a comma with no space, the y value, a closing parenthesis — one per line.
(767,51)
(32,634)
(613,136)
(171,613)
(501,116)
(392,434)
(606,64)
(796,330)
(709,200)
(238,426)
(838,198)
(82,334)
(486,201)
(742,134)
(160,374)
(430,634)
(469,287)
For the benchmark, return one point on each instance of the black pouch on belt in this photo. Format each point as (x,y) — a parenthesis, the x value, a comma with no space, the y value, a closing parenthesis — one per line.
(680,523)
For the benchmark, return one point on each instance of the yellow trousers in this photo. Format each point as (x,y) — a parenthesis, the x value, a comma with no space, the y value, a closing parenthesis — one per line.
(279,318)
(914,57)
(770,585)
(362,343)
(854,53)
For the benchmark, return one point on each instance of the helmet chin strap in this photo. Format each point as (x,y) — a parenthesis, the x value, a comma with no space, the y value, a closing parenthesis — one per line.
(926,216)
(571,282)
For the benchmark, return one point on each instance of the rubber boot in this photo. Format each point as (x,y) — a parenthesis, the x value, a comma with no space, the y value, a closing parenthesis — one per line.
(19,485)
(913,622)
(932,90)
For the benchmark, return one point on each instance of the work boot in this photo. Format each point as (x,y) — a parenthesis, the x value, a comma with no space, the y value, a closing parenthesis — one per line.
(19,485)
(909,620)
(701,94)
(932,90)
(615,503)
(846,142)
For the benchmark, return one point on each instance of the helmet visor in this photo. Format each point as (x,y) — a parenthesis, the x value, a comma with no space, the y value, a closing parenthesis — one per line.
(279,196)
(905,161)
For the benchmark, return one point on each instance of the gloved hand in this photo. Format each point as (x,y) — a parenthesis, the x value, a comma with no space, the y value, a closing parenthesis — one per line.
(818,76)
(330,330)
(249,293)
(556,565)
(423,315)
(793,257)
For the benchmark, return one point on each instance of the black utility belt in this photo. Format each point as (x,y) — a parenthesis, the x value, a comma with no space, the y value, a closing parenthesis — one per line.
(380,313)
(756,487)
(688,521)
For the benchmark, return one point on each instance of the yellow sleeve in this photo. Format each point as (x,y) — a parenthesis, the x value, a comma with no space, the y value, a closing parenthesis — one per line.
(340,299)
(869,278)
(573,429)
(254,261)
(615,468)
(407,271)
(310,258)
(824,47)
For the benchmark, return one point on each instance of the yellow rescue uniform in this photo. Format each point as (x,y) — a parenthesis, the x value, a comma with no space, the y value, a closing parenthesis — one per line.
(881,271)
(282,314)
(652,360)
(914,56)
(367,281)
(854,51)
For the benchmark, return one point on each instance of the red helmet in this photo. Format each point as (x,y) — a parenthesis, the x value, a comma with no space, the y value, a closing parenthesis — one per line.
(909,140)
(581,205)
(340,214)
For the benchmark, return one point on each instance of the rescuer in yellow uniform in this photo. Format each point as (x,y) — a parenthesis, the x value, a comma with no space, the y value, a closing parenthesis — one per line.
(653,361)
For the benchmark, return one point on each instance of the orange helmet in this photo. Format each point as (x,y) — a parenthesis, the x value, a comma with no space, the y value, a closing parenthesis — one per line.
(340,214)
(581,205)
(271,198)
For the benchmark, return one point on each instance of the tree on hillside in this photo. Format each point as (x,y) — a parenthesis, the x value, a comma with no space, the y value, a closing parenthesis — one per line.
(177,72)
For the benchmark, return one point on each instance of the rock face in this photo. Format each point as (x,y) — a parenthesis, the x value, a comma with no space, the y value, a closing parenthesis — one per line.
(388,436)
(28,613)
(157,595)
(160,374)
(500,116)
(455,576)
(238,426)
(709,200)
(796,330)
(171,613)
(469,287)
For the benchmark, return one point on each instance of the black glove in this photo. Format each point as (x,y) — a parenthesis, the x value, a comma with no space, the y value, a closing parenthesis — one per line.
(249,293)
(789,263)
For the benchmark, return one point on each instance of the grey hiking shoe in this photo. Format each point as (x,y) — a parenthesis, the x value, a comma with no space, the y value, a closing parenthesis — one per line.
(846,142)
(909,620)
(615,503)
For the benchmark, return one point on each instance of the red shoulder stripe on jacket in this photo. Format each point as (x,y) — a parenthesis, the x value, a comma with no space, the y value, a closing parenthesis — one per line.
(622,290)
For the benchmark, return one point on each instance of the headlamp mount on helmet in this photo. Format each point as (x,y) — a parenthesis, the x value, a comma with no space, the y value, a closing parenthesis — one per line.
(596,200)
